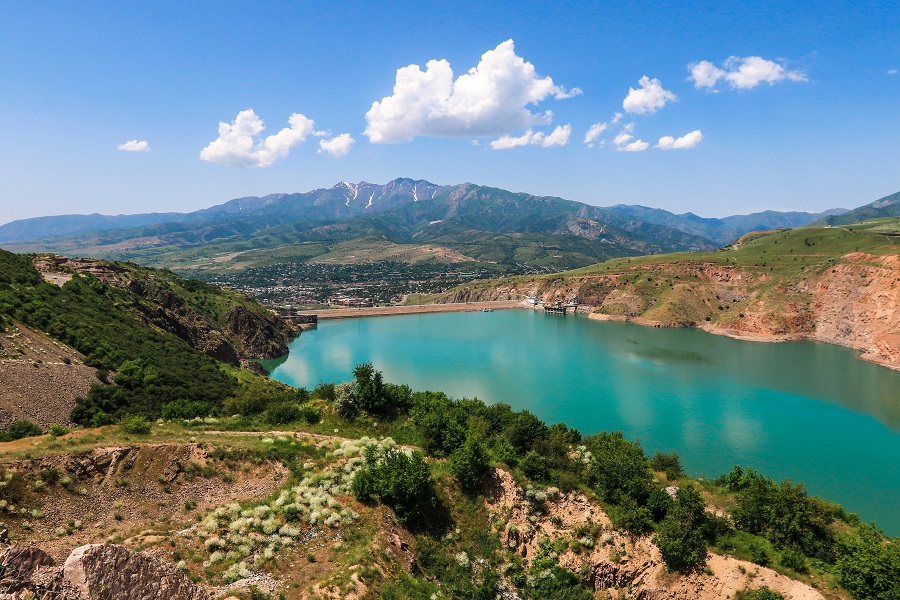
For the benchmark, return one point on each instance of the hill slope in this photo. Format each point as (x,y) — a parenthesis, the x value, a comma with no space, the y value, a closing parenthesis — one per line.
(168,340)
(889,206)
(836,285)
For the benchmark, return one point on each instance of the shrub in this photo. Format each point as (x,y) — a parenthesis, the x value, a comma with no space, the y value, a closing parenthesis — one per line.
(667,462)
(524,430)
(469,464)
(536,466)
(186,409)
(324,391)
(369,389)
(794,559)
(659,502)
(19,430)
(636,520)
(782,513)
(758,553)
(442,422)
(400,480)
(681,534)
(310,414)
(345,403)
(57,430)
(763,593)
(281,414)
(869,565)
(101,418)
(135,424)
(619,469)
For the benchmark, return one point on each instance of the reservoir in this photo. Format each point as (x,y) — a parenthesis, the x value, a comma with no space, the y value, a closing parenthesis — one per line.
(804,410)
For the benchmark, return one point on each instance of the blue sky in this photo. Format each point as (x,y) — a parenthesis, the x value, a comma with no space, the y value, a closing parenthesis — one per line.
(744,106)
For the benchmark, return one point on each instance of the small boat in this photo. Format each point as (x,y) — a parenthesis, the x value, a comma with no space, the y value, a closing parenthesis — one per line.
(487,310)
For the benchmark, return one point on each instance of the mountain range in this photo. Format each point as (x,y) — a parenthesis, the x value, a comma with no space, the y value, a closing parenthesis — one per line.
(480,223)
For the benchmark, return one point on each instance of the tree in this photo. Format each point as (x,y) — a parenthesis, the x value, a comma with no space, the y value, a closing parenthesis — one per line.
(619,469)
(667,462)
(524,430)
(369,388)
(400,480)
(869,565)
(680,536)
(469,464)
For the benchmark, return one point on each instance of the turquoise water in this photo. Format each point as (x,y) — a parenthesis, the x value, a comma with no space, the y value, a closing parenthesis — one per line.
(808,411)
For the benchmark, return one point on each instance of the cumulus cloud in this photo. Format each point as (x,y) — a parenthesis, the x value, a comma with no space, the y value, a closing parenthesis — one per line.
(594,132)
(338,147)
(635,146)
(493,98)
(649,98)
(742,73)
(557,137)
(624,144)
(134,146)
(705,74)
(689,140)
(240,145)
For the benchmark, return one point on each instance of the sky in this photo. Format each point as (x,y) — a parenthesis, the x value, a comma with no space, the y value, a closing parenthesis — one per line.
(716,108)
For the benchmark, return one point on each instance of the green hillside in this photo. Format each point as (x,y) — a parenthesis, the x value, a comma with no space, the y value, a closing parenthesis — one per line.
(147,327)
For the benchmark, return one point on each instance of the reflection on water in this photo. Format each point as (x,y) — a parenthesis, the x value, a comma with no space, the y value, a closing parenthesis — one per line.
(804,410)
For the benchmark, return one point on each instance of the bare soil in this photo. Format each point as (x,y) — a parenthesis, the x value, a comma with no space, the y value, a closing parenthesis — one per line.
(40,378)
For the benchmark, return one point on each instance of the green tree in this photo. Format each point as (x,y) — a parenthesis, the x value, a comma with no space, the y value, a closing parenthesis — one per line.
(469,463)
(369,388)
(667,462)
(680,537)
(869,565)
(400,480)
(619,470)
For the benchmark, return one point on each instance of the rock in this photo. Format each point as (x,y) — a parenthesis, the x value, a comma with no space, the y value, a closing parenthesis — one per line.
(18,565)
(111,572)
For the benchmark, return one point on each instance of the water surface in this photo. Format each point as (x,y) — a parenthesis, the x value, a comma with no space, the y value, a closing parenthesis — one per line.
(809,411)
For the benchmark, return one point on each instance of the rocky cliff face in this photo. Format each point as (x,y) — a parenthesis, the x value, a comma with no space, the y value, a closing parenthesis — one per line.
(615,560)
(857,304)
(91,572)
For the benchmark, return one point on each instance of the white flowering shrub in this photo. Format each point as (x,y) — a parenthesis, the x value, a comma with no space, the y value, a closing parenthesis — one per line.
(255,534)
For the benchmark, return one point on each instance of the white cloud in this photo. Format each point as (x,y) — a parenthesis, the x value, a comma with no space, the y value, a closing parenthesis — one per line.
(616,118)
(742,73)
(649,98)
(490,99)
(689,140)
(594,132)
(892,71)
(705,74)
(557,137)
(134,146)
(338,147)
(635,146)
(240,145)
(623,141)
(622,138)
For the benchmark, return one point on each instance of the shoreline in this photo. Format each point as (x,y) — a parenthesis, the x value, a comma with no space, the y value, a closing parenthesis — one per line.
(864,353)
(413,309)
(386,311)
